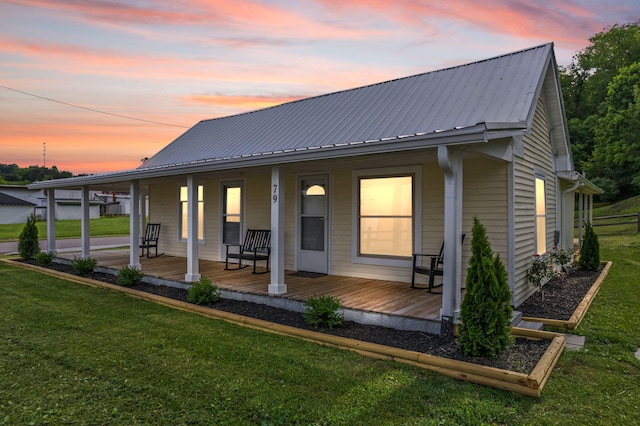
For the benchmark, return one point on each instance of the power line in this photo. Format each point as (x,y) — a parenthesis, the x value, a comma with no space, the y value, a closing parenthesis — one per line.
(92,109)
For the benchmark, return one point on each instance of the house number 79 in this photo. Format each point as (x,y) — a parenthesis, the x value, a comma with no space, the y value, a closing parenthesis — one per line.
(275,194)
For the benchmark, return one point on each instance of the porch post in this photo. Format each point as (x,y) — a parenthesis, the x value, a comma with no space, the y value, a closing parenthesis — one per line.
(143,211)
(451,164)
(85,233)
(193,273)
(134,225)
(277,285)
(51,220)
(580,212)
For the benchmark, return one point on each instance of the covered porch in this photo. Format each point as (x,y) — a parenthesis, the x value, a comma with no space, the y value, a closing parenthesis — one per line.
(380,302)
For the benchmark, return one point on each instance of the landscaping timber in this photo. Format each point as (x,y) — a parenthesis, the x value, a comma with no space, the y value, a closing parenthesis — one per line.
(526,384)
(577,316)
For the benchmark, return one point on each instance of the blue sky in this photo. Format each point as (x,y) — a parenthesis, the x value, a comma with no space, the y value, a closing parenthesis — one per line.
(178,62)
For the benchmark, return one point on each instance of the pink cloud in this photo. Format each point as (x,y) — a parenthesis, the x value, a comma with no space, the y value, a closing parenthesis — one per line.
(244,102)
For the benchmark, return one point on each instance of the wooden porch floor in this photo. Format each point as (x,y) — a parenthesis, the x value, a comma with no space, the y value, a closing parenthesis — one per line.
(379,296)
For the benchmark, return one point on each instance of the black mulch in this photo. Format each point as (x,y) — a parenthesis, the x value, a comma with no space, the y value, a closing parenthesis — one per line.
(522,356)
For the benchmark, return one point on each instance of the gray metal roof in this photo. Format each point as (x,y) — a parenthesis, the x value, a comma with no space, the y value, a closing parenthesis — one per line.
(9,200)
(500,93)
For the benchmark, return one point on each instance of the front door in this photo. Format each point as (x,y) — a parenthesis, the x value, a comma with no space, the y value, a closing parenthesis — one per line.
(312,225)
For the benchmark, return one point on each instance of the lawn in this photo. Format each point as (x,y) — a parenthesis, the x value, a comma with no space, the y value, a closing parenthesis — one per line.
(103,227)
(71,353)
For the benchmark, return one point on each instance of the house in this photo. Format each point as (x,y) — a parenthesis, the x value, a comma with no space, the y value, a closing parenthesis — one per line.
(352,183)
(34,201)
(14,210)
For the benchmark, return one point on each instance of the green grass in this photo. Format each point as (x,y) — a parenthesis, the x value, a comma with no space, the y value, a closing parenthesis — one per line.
(103,227)
(628,206)
(70,353)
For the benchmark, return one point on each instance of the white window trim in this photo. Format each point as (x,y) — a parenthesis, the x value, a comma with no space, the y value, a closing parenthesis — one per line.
(542,177)
(241,184)
(179,236)
(414,170)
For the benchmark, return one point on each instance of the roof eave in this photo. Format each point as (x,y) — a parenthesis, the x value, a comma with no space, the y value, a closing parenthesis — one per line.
(461,136)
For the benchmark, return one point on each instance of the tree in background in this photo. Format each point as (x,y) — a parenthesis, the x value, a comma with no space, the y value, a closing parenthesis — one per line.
(485,311)
(616,155)
(585,89)
(28,245)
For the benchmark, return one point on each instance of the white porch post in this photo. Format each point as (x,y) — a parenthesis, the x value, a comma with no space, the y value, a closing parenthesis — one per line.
(193,273)
(451,164)
(134,225)
(143,211)
(51,220)
(580,217)
(277,285)
(85,233)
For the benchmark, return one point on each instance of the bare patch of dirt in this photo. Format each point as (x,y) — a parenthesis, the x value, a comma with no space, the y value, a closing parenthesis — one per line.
(561,298)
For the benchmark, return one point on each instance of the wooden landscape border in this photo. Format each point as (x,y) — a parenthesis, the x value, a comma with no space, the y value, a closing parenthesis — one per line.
(577,316)
(516,382)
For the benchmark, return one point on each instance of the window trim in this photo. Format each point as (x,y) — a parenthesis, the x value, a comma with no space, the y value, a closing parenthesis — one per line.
(416,172)
(235,184)
(180,208)
(539,177)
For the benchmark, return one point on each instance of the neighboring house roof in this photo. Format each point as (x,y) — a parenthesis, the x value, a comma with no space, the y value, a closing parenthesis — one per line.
(472,103)
(8,200)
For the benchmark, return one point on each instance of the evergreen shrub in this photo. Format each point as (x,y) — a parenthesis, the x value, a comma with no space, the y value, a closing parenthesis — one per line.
(485,311)
(28,245)
(590,251)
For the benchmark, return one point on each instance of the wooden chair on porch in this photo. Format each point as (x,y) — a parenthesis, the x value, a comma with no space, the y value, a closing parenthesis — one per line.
(256,246)
(435,268)
(150,239)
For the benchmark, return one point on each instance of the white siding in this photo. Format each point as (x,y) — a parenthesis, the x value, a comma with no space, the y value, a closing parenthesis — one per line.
(538,158)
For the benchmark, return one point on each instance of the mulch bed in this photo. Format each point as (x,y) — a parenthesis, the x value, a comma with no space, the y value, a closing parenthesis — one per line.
(561,298)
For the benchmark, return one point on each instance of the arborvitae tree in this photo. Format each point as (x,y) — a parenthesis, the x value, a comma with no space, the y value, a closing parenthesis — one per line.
(28,245)
(485,310)
(590,251)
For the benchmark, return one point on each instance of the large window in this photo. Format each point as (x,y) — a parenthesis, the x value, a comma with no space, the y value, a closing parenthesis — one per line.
(541,217)
(184,221)
(231,213)
(385,216)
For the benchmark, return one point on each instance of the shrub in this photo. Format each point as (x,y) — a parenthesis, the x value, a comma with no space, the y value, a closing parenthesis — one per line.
(84,265)
(562,257)
(45,258)
(322,311)
(542,270)
(485,311)
(590,251)
(28,245)
(203,292)
(129,276)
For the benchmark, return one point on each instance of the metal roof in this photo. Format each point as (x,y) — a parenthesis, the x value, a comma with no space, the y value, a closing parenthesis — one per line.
(9,200)
(500,92)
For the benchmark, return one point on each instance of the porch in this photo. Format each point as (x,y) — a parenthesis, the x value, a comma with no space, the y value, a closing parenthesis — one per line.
(386,303)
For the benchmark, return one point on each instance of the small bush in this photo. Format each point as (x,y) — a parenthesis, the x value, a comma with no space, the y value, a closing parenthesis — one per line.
(203,292)
(45,258)
(485,310)
(129,276)
(84,265)
(28,244)
(322,311)
(590,251)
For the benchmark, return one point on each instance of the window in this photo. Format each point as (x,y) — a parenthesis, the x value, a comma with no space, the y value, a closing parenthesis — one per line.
(231,213)
(184,222)
(541,217)
(385,216)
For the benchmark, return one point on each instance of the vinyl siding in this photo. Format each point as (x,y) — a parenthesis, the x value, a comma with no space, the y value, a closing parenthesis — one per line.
(538,158)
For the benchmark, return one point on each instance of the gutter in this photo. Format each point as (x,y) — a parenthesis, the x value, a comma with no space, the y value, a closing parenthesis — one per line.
(462,136)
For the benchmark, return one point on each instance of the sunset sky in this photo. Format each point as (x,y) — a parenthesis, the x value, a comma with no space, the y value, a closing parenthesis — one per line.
(72,70)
